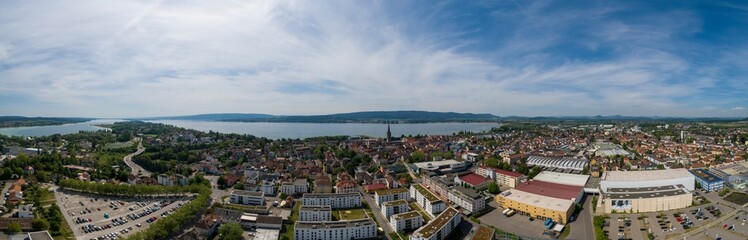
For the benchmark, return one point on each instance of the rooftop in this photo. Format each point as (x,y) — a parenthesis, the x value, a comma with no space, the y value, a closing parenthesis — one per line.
(383,192)
(705,175)
(436,224)
(315,208)
(483,233)
(334,224)
(628,176)
(563,178)
(473,179)
(331,195)
(426,193)
(248,193)
(396,203)
(647,192)
(553,190)
(502,171)
(467,192)
(540,201)
(407,215)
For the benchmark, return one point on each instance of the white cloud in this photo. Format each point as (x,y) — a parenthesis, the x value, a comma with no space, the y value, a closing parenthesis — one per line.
(738,108)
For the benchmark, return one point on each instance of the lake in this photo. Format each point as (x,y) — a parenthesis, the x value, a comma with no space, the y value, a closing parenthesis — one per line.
(56,129)
(272,130)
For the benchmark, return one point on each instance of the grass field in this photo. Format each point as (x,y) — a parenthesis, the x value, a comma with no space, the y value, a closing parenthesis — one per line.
(351,214)
(426,217)
(118,145)
(737,198)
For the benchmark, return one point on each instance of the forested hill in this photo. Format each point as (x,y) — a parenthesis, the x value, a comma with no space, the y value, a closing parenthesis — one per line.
(355,117)
(18,121)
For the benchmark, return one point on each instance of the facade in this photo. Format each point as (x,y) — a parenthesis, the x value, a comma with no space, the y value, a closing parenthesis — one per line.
(648,199)
(707,180)
(394,207)
(440,227)
(172,180)
(427,200)
(407,220)
(268,188)
(296,187)
(334,200)
(468,199)
(643,179)
(501,176)
(345,186)
(437,185)
(473,180)
(386,195)
(315,213)
(335,230)
(562,163)
(537,206)
(247,198)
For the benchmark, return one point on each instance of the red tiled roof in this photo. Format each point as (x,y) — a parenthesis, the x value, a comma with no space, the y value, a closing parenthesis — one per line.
(373,187)
(550,189)
(473,179)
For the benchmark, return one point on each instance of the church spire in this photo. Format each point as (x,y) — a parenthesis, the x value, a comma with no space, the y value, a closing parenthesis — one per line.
(389,134)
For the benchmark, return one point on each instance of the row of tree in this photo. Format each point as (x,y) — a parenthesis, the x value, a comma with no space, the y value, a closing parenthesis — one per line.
(127,190)
(173,224)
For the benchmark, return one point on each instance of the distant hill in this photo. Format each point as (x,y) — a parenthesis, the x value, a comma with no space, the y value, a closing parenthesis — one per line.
(385,116)
(19,121)
(213,117)
(355,117)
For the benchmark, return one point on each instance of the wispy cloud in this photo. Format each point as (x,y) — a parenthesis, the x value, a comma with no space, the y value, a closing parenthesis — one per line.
(143,58)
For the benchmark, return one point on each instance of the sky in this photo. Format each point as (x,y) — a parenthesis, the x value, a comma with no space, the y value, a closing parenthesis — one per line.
(508,58)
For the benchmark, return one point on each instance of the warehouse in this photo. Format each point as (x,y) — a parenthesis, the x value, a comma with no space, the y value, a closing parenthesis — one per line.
(542,200)
(562,178)
(647,199)
(562,163)
(643,179)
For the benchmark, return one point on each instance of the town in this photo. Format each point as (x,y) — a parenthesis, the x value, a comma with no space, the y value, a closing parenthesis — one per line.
(528,180)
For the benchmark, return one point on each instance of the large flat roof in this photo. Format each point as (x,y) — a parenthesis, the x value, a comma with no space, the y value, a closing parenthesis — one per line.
(556,204)
(248,193)
(647,192)
(330,195)
(563,178)
(631,176)
(553,190)
(383,192)
(705,175)
(334,224)
(436,224)
(396,202)
(407,215)
(426,193)
(315,208)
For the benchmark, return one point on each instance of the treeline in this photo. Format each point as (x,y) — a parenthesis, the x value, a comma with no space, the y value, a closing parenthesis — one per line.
(18,121)
(128,190)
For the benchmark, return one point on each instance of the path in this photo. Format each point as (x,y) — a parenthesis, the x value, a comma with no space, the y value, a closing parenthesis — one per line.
(137,170)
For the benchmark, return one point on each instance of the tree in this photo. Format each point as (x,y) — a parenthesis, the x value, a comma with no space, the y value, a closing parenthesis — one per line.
(222,182)
(493,188)
(492,162)
(40,224)
(417,156)
(283,195)
(230,231)
(13,227)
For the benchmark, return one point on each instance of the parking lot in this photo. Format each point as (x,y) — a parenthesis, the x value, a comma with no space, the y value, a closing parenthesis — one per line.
(104,217)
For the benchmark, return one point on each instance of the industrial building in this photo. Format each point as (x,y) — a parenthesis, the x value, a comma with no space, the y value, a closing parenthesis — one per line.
(646,199)
(644,179)
(542,200)
(562,178)
(708,180)
(558,163)
(440,227)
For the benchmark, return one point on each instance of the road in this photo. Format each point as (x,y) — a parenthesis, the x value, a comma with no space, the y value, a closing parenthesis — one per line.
(716,222)
(137,170)
(410,171)
(216,194)
(379,217)
(582,227)
(6,186)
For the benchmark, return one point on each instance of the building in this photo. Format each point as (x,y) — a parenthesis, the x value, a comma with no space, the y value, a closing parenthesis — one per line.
(444,166)
(253,221)
(334,200)
(172,180)
(427,200)
(646,199)
(208,225)
(562,178)
(268,188)
(335,230)
(345,186)
(296,187)
(483,233)
(394,207)
(708,180)
(386,195)
(26,211)
(440,227)
(407,220)
(473,180)
(501,176)
(554,162)
(322,185)
(247,198)
(438,185)
(542,200)
(315,213)
(643,179)
(469,200)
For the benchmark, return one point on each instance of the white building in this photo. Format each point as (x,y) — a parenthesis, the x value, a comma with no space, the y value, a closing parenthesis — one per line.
(404,221)
(502,177)
(172,180)
(440,227)
(394,207)
(296,187)
(315,213)
(247,198)
(468,199)
(386,195)
(268,188)
(427,200)
(562,178)
(335,230)
(334,200)
(553,162)
(644,179)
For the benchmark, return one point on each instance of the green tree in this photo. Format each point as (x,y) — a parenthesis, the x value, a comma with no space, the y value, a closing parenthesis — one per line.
(40,224)
(493,188)
(230,231)
(283,195)
(492,162)
(222,182)
(13,227)
(417,156)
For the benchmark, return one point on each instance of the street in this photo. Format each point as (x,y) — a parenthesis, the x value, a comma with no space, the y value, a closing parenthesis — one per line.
(581,227)
(379,217)
(137,169)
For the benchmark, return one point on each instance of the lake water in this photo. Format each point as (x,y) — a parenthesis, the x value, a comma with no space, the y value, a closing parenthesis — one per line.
(56,129)
(274,130)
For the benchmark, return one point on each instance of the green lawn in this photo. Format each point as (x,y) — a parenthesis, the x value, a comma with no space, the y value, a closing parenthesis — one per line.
(352,214)
(426,217)
(396,236)
(292,220)
(335,216)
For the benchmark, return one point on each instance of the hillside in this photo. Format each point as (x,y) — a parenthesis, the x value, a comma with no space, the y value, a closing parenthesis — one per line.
(18,121)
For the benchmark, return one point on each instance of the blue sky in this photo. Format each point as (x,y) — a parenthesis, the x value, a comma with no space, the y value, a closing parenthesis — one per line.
(527,58)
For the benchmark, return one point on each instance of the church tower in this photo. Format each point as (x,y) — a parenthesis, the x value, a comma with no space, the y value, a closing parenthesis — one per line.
(389,134)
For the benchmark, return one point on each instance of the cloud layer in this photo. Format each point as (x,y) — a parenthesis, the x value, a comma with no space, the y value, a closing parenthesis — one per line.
(153,58)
